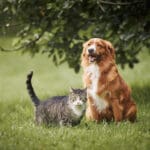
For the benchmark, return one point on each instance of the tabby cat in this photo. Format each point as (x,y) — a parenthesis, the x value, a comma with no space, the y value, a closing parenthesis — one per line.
(62,110)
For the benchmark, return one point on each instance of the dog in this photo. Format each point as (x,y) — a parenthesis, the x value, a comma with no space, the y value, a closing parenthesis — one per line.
(109,97)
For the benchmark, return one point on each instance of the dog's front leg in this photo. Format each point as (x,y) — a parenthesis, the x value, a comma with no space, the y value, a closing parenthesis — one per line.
(91,111)
(131,111)
(117,110)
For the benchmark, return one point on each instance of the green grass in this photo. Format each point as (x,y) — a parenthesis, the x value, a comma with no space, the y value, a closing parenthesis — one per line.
(17,128)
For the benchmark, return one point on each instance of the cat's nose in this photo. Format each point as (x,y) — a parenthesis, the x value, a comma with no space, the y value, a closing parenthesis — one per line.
(79,103)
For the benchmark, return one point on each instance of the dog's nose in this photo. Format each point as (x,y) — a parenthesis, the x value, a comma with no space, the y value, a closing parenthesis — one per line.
(91,50)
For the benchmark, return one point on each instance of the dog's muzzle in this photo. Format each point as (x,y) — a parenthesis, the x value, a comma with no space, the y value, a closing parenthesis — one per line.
(91,53)
(91,50)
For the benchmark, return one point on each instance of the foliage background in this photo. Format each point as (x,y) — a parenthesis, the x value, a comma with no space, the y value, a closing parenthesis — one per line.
(58,28)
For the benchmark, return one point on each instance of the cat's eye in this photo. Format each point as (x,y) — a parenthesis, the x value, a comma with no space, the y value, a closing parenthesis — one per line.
(85,99)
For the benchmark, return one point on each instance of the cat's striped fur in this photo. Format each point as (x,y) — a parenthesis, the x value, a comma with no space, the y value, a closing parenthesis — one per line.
(63,110)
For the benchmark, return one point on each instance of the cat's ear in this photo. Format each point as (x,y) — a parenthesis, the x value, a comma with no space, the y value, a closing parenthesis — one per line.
(85,89)
(71,89)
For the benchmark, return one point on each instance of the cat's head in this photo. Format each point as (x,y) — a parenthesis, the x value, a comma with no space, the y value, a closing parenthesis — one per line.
(77,99)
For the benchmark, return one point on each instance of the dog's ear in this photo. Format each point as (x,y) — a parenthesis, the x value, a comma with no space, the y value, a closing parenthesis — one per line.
(84,55)
(84,46)
(110,48)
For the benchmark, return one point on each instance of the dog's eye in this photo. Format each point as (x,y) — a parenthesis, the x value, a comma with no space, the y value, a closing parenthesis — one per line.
(89,44)
(100,46)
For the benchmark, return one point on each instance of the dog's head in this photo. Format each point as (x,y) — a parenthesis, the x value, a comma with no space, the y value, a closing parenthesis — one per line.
(96,50)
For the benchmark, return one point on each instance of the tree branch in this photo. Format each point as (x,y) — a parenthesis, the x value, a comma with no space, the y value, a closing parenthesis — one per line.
(22,46)
(11,25)
(119,3)
(10,50)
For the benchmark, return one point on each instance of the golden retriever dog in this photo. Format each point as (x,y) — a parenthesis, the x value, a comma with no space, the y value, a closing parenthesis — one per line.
(109,97)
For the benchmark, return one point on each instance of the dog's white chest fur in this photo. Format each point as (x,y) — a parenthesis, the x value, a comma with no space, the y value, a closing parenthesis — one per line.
(93,72)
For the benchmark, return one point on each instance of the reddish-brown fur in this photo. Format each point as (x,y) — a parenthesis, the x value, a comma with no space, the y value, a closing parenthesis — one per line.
(111,86)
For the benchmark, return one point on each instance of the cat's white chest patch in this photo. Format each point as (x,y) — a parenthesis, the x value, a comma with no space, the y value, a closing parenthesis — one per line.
(93,71)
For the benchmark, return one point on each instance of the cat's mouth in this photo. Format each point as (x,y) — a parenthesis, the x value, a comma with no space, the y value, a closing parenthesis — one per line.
(79,106)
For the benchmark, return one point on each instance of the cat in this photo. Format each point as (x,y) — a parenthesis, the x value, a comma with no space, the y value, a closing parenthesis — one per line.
(59,110)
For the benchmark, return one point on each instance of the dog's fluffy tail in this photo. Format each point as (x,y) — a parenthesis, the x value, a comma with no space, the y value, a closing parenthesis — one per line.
(30,89)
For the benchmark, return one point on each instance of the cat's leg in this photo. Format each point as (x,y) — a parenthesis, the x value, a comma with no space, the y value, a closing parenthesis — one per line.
(64,123)
(39,120)
(39,117)
(61,123)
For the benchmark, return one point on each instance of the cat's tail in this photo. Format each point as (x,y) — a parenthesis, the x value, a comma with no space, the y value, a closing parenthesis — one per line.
(30,89)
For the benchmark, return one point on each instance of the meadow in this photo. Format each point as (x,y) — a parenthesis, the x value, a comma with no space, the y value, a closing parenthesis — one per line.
(18,130)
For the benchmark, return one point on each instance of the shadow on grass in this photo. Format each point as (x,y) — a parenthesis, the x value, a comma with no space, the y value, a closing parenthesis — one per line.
(141,94)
